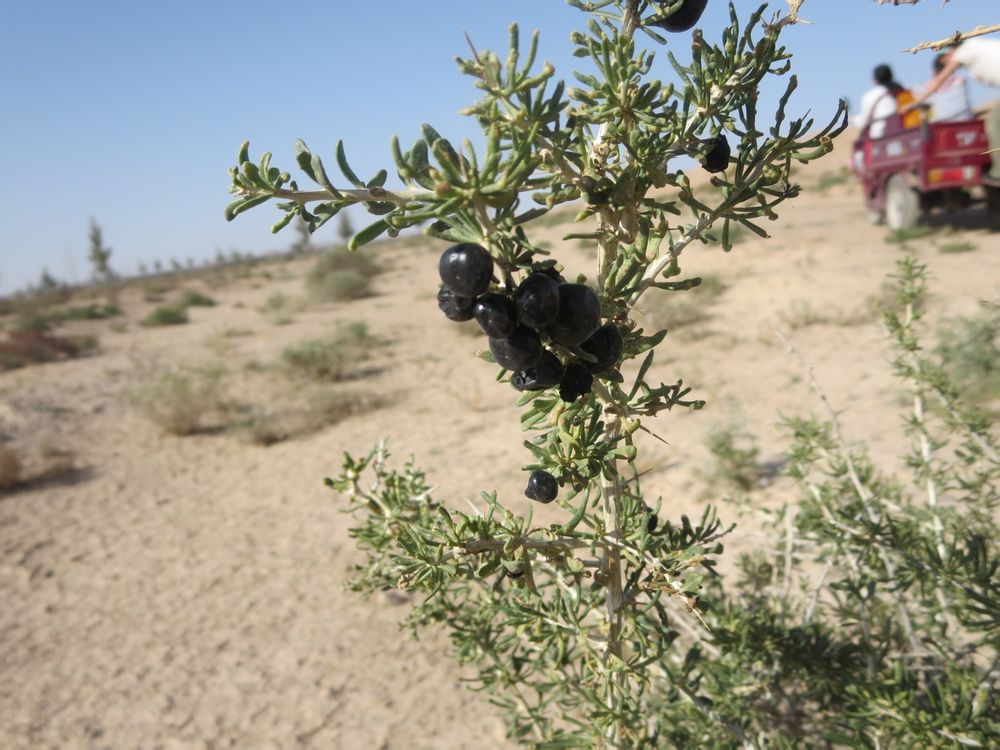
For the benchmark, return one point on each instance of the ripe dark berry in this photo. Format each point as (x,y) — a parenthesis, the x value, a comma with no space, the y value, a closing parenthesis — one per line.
(577,381)
(606,344)
(466,269)
(518,351)
(579,315)
(651,519)
(537,301)
(684,18)
(454,307)
(496,315)
(547,373)
(542,487)
(717,154)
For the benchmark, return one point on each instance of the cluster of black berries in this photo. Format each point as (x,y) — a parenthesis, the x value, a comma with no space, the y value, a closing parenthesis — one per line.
(542,306)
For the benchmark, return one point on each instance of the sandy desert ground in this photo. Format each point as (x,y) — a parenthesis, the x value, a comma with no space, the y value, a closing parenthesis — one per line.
(187,591)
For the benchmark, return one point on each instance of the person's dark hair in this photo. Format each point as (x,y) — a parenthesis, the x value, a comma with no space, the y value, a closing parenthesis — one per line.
(940,60)
(883,75)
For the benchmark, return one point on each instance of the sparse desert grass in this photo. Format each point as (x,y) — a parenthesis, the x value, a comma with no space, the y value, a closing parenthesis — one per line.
(191,298)
(280,308)
(969,349)
(902,236)
(92,311)
(180,398)
(684,309)
(735,455)
(18,471)
(167,315)
(956,247)
(340,286)
(222,343)
(176,312)
(34,321)
(340,275)
(11,468)
(156,291)
(23,348)
(329,358)
(831,179)
(47,319)
(235,332)
(326,408)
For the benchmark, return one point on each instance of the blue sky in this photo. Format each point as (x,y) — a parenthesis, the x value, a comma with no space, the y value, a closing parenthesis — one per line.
(132,112)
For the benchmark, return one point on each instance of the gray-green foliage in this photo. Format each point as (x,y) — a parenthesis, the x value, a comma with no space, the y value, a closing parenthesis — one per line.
(99,255)
(735,455)
(330,358)
(874,620)
(969,347)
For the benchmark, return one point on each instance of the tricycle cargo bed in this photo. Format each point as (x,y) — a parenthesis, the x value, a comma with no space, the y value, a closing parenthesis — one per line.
(932,157)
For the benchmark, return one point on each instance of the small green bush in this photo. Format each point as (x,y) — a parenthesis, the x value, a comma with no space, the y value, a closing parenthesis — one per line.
(329,358)
(167,315)
(191,298)
(34,322)
(23,348)
(179,398)
(969,351)
(340,286)
(270,426)
(90,312)
(341,275)
(736,457)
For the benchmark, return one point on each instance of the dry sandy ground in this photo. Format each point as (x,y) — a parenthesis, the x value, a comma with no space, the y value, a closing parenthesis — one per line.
(186,592)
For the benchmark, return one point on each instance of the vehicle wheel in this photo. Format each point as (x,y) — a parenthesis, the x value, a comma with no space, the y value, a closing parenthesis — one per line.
(902,204)
(993,201)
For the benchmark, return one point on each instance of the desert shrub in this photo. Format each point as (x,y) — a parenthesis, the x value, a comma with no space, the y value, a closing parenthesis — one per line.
(339,275)
(166,315)
(180,399)
(23,348)
(340,286)
(325,409)
(10,468)
(603,625)
(34,322)
(329,358)
(968,348)
(735,455)
(280,308)
(92,311)
(191,298)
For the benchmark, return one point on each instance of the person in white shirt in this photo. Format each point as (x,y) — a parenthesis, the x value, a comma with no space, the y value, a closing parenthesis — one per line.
(950,102)
(981,57)
(878,102)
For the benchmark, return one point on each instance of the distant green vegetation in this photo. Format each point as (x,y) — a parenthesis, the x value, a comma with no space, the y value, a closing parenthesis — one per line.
(339,275)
